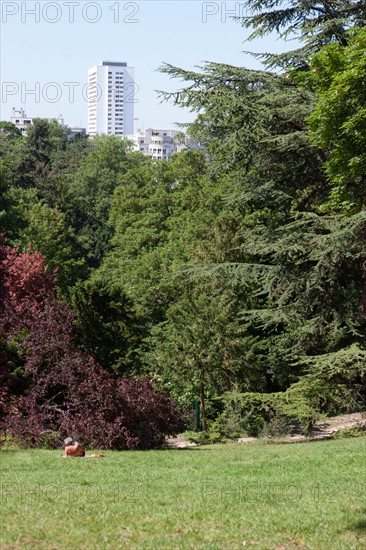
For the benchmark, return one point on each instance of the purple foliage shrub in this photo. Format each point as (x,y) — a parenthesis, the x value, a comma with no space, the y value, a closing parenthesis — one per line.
(69,392)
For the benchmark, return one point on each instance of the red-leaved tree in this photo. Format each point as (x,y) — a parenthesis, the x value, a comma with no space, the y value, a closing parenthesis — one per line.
(68,392)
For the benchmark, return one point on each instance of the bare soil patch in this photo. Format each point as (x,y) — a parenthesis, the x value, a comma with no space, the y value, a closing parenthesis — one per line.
(322,430)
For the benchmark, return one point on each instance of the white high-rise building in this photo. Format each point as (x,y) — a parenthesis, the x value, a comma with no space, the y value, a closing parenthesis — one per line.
(111,99)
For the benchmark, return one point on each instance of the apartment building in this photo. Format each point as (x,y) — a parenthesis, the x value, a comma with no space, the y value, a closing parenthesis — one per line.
(158,143)
(111,99)
(22,121)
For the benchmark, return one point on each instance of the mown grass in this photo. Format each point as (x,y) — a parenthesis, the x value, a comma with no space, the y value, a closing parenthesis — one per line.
(308,496)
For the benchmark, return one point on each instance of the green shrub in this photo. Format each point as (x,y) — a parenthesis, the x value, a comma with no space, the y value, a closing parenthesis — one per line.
(278,426)
(357,431)
(261,414)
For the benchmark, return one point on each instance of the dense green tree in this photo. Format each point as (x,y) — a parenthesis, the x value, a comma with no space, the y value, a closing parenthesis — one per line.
(252,124)
(56,185)
(30,157)
(338,123)
(303,273)
(47,232)
(92,190)
(8,212)
(44,138)
(145,207)
(200,350)
(9,130)
(108,326)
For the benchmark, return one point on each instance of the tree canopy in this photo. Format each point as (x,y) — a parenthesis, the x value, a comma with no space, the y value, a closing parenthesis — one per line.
(313,23)
(234,275)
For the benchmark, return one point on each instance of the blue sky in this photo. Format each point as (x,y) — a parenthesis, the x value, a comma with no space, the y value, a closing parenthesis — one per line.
(44,42)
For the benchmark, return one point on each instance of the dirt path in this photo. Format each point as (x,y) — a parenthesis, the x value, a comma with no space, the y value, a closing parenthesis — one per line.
(179,443)
(322,430)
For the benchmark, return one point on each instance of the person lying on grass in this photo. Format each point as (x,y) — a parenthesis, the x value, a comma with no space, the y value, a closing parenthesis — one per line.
(73,449)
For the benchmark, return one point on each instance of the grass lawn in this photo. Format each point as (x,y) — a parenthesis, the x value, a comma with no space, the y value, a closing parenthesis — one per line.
(254,495)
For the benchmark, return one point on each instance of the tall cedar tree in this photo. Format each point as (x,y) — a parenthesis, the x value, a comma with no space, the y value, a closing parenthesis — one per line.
(314,23)
(305,271)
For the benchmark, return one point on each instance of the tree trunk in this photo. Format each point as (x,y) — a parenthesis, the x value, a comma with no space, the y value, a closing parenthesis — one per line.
(363,296)
(202,403)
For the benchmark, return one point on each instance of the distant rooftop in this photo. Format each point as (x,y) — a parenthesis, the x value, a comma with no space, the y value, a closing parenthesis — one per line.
(114,63)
